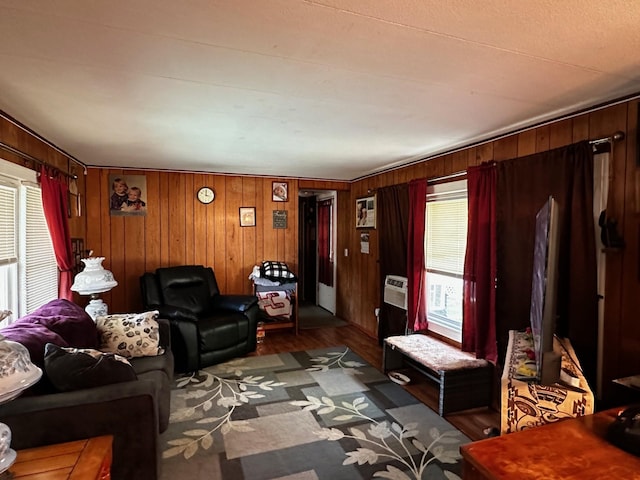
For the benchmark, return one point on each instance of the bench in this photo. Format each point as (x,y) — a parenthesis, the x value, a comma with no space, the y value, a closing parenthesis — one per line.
(465,381)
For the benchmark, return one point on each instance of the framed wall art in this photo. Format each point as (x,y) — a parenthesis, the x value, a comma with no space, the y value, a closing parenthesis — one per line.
(127,195)
(77,248)
(280,191)
(247,216)
(366,212)
(279,219)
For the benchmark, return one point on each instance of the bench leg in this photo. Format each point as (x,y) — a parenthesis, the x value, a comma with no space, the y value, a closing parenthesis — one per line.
(464,389)
(392,359)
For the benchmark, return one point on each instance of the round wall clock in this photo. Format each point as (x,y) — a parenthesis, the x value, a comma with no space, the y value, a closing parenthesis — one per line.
(206,195)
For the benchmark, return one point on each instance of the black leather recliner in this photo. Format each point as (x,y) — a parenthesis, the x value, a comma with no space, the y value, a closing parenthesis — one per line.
(206,326)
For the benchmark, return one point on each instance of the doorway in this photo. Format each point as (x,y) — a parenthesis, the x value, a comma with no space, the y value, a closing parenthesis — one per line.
(317,247)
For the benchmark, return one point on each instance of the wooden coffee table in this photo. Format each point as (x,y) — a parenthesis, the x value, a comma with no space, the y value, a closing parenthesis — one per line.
(83,459)
(568,449)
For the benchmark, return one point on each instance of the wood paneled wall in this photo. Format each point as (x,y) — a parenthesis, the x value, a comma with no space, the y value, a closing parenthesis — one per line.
(621,339)
(25,142)
(179,230)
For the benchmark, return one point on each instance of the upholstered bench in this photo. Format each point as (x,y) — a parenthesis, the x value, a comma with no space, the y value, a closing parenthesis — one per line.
(465,381)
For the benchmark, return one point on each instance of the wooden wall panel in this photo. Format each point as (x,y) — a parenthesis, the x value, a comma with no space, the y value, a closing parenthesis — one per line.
(526,143)
(200,222)
(305,184)
(179,230)
(621,337)
(16,137)
(153,224)
(216,240)
(560,133)
(629,330)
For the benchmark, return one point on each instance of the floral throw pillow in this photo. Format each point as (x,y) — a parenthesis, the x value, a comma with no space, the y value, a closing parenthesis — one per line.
(130,334)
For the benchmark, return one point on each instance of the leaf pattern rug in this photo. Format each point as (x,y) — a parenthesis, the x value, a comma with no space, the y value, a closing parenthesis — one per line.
(319,414)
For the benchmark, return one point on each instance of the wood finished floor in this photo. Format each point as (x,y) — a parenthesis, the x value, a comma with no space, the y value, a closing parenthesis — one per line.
(470,422)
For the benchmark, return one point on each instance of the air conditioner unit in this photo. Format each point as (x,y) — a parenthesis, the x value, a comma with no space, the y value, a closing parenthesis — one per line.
(395,291)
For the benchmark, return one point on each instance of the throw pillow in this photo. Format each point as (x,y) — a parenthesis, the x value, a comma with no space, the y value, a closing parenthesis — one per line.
(130,334)
(70,368)
(276,271)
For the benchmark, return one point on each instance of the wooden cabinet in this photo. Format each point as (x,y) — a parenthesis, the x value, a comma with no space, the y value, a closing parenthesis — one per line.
(80,460)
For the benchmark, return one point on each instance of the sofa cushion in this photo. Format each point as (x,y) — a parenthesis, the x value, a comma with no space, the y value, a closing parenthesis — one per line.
(60,322)
(130,334)
(74,368)
(152,363)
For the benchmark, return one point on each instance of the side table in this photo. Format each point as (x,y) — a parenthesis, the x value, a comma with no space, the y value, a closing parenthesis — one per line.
(79,460)
(574,448)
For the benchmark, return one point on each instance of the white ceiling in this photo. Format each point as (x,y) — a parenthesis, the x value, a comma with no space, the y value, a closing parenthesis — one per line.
(334,89)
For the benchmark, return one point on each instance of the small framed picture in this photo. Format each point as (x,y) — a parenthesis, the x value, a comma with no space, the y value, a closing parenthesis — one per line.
(280,191)
(247,216)
(366,212)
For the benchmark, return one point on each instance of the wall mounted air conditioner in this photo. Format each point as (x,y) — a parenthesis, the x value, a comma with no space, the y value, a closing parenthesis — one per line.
(395,291)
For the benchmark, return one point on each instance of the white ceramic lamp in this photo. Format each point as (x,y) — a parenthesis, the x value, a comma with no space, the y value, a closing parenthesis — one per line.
(93,280)
(17,373)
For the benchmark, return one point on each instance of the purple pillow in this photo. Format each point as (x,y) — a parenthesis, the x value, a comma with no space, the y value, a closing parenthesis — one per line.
(34,337)
(60,322)
(68,320)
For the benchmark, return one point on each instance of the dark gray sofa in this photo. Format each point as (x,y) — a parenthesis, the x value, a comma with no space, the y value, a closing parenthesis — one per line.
(134,412)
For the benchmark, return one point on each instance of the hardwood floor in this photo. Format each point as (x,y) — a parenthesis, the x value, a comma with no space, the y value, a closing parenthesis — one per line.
(470,422)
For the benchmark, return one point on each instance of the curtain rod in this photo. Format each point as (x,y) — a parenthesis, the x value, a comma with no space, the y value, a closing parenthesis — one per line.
(615,137)
(26,156)
(24,128)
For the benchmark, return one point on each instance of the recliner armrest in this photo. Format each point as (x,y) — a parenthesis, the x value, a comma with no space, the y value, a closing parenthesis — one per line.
(172,312)
(236,303)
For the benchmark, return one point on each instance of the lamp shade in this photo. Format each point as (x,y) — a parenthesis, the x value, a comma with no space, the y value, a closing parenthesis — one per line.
(16,374)
(16,370)
(94,278)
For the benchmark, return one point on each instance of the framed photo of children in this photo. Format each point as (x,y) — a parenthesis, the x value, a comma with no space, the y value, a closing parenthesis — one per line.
(280,191)
(128,195)
(366,212)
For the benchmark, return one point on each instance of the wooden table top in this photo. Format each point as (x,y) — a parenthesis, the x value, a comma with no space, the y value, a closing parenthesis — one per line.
(569,449)
(83,460)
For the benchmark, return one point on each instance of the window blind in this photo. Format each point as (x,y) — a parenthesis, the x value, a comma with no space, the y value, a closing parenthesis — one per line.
(8,215)
(39,283)
(446,235)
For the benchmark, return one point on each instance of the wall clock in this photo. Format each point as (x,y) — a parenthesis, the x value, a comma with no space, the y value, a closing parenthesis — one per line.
(206,195)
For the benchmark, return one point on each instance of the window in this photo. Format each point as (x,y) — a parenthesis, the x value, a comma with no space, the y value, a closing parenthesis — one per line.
(445,245)
(28,270)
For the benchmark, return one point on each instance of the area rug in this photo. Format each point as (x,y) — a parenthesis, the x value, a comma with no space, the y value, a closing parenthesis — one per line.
(321,414)
(312,316)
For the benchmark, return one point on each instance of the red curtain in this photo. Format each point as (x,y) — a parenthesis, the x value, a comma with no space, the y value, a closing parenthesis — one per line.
(325,265)
(55,203)
(479,292)
(416,308)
